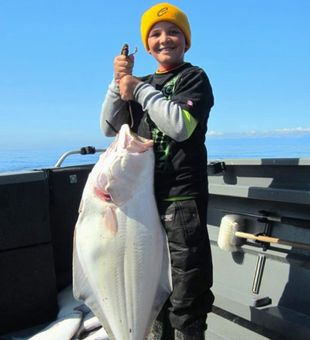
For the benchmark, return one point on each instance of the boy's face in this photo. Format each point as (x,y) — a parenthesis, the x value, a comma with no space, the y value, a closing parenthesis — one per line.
(167,44)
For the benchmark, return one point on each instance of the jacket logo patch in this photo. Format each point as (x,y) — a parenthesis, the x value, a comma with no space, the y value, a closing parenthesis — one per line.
(189,103)
(167,218)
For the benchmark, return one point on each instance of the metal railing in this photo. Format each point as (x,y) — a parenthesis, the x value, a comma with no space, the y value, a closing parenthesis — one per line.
(86,150)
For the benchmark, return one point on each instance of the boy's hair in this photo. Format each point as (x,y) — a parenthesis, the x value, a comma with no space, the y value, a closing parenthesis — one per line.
(164,12)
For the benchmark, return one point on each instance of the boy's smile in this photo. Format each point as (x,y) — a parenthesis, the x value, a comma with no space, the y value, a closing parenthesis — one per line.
(166,43)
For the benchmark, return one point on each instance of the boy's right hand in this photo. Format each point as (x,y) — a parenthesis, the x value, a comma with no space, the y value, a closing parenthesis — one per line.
(123,66)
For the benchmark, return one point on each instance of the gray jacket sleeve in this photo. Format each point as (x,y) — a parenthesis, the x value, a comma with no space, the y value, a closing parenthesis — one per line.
(114,110)
(166,114)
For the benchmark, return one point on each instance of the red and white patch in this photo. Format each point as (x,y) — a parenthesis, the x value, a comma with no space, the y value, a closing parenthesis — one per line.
(189,103)
(106,197)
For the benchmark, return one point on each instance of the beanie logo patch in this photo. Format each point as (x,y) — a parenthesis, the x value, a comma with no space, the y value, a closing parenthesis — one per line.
(162,11)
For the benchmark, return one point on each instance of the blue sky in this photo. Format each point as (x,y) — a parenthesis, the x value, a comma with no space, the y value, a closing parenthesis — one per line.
(56,63)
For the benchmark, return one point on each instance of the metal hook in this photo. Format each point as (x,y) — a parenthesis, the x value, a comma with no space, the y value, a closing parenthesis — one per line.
(135,51)
(125,50)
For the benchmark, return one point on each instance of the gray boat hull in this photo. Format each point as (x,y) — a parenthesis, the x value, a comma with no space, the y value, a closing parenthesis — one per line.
(261,290)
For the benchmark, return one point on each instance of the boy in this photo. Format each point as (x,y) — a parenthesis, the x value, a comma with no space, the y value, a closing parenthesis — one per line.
(172,107)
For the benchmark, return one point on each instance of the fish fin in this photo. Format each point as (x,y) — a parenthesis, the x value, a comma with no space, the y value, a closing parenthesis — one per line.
(81,206)
(80,286)
(110,220)
(63,328)
(83,291)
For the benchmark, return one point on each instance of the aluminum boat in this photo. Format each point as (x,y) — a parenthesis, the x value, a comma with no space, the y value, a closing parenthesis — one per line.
(262,289)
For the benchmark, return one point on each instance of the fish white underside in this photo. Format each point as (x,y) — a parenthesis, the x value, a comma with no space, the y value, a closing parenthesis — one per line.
(67,323)
(123,276)
(101,334)
(73,319)
(64,328)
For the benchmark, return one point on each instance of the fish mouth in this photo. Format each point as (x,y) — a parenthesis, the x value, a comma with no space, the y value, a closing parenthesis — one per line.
(132,142)
(103,195)
(138,144)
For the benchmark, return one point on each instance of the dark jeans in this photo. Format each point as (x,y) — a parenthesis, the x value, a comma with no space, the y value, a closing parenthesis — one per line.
(191,262)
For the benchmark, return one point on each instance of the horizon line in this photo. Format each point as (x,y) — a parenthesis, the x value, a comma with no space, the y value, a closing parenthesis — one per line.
(261,133)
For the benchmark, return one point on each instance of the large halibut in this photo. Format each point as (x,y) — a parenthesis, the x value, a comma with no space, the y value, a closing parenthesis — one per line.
(121,265)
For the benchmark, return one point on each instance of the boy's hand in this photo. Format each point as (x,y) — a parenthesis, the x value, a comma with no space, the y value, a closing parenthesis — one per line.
(123,66)
(127,85)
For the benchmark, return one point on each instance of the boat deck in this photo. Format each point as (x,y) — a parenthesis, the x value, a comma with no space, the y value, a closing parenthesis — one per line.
(254,299)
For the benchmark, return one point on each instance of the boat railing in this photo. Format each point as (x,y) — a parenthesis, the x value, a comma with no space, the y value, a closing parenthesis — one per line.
(86,150)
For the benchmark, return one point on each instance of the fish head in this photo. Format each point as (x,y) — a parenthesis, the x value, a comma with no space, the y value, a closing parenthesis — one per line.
(124,167)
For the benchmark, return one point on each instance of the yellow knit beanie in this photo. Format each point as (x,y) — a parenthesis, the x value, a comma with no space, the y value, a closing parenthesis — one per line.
(164,12)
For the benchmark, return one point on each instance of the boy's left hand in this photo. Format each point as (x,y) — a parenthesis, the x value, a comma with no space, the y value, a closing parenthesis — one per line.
(127,85)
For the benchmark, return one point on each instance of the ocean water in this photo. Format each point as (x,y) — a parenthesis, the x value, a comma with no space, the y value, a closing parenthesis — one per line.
(219,148)
(277,146)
